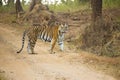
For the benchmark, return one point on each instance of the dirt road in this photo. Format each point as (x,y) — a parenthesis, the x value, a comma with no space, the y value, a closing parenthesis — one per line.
(41,66)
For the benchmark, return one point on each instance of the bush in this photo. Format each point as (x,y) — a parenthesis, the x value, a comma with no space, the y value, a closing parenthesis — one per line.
(102,37)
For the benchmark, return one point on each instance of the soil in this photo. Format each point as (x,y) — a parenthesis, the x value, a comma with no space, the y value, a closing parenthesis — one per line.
(41,66)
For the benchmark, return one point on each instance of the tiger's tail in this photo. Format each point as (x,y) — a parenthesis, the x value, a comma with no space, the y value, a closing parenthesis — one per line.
(23,40)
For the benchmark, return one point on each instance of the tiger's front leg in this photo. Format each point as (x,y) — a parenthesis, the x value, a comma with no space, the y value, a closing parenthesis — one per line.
(29,47)
(61,44)
(53,42)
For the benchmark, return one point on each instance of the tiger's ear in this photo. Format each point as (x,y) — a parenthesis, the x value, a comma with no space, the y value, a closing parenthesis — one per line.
(60,26)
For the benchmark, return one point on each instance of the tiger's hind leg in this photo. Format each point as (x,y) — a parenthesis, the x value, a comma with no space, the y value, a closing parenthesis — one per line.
(31,45)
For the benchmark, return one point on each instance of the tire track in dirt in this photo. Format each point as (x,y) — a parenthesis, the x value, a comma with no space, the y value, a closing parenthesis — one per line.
(41,66)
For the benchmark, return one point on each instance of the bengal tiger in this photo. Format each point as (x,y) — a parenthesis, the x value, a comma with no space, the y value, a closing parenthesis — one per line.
(52,33)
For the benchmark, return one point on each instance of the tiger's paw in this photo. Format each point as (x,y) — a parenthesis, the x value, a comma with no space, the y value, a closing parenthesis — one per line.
(52,52)
(33,53)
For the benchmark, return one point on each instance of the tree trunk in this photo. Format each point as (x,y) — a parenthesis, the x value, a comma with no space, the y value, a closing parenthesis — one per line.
(10,2)
(18,7)
(1,3)
(33,4)
(93,36)
(96,9)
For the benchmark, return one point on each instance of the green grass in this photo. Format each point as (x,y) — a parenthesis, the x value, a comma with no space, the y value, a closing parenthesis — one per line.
(7,18)
(111,3)
(7,9)
(26,7)
(74,6)
(71,7)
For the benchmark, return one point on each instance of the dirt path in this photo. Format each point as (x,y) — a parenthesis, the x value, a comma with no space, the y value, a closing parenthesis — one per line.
(41,66)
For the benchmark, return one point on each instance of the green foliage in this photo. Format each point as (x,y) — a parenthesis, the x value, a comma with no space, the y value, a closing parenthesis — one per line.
(111,3)
(25,6)
(69,6)
(7,8)
(76,5)
(66,6)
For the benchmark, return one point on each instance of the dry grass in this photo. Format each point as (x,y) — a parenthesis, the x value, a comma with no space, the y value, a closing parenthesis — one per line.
(102,37)
(2,76)
(7,18)
(110,37)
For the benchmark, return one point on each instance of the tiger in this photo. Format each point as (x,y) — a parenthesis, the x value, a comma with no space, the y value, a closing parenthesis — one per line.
(51,33)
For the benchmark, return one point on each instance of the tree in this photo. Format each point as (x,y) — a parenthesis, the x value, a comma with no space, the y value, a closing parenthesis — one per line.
(35,8)
(96,9)
(1,3)
(33,3)
(18,6)
(93,37)
(10,2)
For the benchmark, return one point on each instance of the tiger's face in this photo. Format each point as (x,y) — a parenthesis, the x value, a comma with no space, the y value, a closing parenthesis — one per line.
(63,28)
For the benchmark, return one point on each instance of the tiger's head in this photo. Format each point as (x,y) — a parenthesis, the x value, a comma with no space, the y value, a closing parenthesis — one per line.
(63,28)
